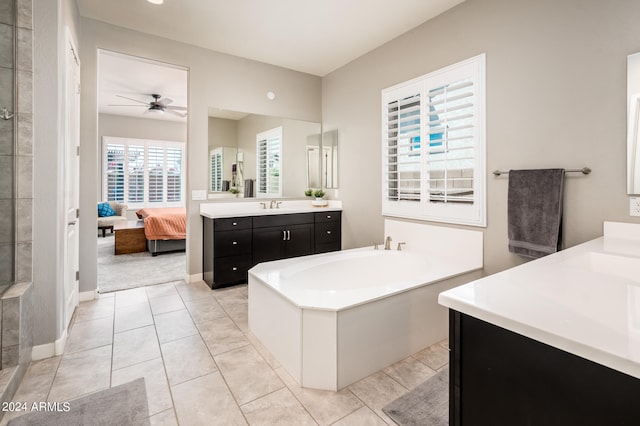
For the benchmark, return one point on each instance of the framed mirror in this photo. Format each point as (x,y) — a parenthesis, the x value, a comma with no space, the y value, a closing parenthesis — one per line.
(236,131)
(313,161)
(633,124)
(330,159)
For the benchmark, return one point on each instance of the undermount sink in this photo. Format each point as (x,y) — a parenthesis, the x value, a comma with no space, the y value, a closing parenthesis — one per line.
(619,266)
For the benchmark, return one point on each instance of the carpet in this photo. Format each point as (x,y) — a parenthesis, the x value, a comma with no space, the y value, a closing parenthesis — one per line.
(120,405)
(425,405)
(126,271)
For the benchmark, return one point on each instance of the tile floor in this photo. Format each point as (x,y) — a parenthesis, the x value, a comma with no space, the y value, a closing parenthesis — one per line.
(201,364)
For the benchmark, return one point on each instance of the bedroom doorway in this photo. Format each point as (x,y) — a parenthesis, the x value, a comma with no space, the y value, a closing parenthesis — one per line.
(142,134)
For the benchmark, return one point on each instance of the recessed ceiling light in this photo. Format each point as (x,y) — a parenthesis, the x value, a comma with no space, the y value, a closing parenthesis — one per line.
(156,1)
(270,95)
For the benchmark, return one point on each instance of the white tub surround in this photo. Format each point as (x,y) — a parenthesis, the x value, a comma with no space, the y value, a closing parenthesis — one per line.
(255,208)
(332,319)
(584,300)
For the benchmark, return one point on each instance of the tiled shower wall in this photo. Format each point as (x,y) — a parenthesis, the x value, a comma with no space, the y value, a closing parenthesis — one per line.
(16,184)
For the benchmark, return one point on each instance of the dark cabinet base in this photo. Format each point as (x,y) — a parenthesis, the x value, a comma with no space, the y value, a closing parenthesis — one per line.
(498,377)
(232,246)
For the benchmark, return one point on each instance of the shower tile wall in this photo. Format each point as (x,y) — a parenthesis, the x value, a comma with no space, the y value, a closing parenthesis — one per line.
(16,188)
(16,174)
(7,247)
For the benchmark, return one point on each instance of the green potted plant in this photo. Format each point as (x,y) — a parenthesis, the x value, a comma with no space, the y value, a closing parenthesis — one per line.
(234,191)
(319,194)
(308,192)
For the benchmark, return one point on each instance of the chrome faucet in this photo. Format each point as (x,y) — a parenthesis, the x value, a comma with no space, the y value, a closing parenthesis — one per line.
(272,203)
(400,246)
(387,243)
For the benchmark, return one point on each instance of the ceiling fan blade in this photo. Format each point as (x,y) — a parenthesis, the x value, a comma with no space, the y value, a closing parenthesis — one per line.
(179,114)
(134,100)
(177,108)
(164,101)
(145,106)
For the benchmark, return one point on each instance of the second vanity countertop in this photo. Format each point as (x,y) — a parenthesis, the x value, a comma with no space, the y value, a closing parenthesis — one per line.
(584,300)
(253,208)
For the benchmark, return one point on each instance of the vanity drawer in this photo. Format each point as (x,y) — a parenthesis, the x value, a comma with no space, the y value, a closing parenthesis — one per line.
(282,220)
(328,232)
(227,224)
(231,270)
(330,216)
(231,243)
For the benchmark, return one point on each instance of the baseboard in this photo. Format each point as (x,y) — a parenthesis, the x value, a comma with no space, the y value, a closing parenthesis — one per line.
(84,296)
(193,278)
(49,350)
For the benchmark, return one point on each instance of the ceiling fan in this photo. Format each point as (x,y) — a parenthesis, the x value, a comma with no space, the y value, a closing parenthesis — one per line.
(157,106)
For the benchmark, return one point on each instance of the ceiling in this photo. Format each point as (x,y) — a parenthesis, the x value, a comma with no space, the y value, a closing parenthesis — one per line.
(310,36)
(315,37)
(143,78)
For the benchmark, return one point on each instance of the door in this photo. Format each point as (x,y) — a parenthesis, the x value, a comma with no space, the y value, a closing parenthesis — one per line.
(71,185)
(268,244)
(299,240)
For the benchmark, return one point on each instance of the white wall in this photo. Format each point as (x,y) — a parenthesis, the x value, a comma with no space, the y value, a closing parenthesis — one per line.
(556,96)
(215,80)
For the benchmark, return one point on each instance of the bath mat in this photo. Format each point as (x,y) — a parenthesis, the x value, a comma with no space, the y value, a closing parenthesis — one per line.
(425,405)
(120,405)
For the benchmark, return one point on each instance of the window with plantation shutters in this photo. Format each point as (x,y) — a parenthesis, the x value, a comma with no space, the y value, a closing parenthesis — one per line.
(215,170)
(433,146)
(269,166)
(141,172)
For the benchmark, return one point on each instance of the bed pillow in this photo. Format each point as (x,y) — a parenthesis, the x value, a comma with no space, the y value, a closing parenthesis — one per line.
(105,210)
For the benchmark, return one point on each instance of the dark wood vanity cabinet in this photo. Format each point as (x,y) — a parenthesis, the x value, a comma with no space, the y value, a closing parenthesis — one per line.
(498,377)
(328,231)
(282,236)
(232,246)
(227,250)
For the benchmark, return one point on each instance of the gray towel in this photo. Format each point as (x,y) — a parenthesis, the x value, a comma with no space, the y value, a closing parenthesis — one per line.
(248,188)
(535,211)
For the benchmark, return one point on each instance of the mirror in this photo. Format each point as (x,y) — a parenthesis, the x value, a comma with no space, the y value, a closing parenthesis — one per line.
(234,141)
(313,161)
(330,159)
(633,124)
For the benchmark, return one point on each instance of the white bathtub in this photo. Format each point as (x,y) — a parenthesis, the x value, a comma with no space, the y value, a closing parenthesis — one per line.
(334,318)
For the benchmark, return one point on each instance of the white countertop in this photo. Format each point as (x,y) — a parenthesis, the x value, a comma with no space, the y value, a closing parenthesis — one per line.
(584,300)
(254,208)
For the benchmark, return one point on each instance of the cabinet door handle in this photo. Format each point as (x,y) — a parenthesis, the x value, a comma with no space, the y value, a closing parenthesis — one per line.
(235,268)
(328,232)
(235,243)
(284,235)
(235,223)
(328,216)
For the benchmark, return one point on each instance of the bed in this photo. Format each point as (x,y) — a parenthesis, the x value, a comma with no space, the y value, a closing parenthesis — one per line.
(164,228)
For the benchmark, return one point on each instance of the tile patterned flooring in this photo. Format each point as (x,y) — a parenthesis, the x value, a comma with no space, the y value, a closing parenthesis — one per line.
(201,364)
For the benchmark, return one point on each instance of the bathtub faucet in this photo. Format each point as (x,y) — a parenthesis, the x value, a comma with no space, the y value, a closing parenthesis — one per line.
(387,243)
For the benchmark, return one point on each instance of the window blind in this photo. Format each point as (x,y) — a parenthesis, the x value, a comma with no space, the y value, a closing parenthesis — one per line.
(215,164)
(114,173)
(268,154)
(433,145)
(403,149)
(156,174)
(141,172)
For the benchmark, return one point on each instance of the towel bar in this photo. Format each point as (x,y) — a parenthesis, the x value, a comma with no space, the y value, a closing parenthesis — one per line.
(584,170)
